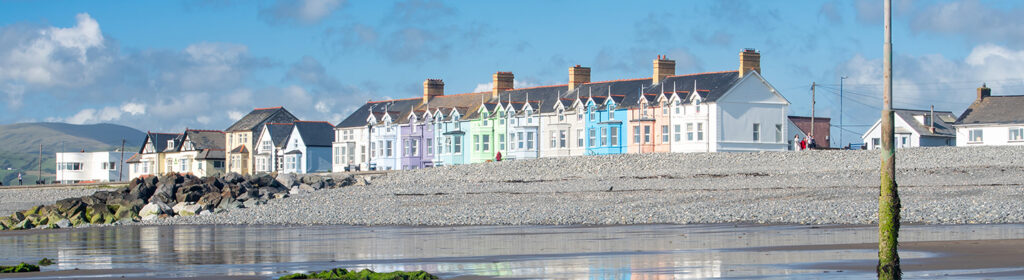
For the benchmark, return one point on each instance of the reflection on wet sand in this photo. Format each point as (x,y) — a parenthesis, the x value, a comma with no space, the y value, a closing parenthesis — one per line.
(564,252)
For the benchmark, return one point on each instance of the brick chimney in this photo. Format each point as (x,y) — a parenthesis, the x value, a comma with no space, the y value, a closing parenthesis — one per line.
(502,81)
(663,67)
(983,92)
(431,88)
(750,60)
(578,75)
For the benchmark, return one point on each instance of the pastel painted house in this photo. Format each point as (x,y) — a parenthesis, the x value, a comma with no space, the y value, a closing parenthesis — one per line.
(416,136)
(149,161)
(308,148)
(485,125)
(241,136)
(991,121)
(269,151)
(385,134)
(196,152)
(83,167)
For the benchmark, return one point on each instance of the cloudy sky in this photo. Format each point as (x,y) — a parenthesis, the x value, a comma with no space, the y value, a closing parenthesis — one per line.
(167,65)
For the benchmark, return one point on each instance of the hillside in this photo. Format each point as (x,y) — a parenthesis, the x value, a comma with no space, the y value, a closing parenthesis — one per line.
(19,145)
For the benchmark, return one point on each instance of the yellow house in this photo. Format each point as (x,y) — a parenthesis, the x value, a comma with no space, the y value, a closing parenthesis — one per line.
(241,136)
(151,157)
(198,152)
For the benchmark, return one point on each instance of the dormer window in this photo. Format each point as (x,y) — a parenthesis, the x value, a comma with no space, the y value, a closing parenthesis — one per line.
(561,115)
(170,144)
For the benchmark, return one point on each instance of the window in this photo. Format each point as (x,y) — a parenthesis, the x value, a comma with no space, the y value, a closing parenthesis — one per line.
(664,109)
(373,150)
(700,131)
(579,116)
(414,147)
(562,135)
(362,156)
(184,164)
(689,131)
(579,137)
(407,147)
(677,108)
(529,140)
(592,136)
(876,142)
(975,135)
(430,146)
(647,134)
(554,139)
(698,106)
(678,137)
(519,139)
(457,146)
(290,162)
(778,133)
(501,141)
(169,166)
(664,134)
(387,148)
(337,155)
(485,121)
(561,115)
(135,168)
(614,136)
(636,134)
(593,116)
(476,143)
(757,132)
(604,135)
(218,164)
(1017,134)
(611,112)
(486,142)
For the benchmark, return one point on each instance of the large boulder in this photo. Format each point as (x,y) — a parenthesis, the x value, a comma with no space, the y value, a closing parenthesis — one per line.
(342,180)
(99,214)
(165,192)
(154,209)
(191,193)
(229,203)
(210,200)
(304,188)
(187,209)
(265,180)
(142,191)
(287,180)
(233,178)
(311,179)
(151,180)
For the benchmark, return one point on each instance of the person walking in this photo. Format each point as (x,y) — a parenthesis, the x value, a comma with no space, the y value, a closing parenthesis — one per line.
(19,179)
(796,142)
(803,144)
(498,157)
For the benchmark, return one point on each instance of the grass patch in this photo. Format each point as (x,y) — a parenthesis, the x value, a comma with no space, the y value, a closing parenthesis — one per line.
(365,274)
(21,267)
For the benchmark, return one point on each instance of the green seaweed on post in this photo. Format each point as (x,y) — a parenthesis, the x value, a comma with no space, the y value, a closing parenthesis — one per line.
(22,267)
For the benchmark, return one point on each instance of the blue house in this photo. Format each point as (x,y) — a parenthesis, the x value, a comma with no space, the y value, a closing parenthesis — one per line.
(308,149)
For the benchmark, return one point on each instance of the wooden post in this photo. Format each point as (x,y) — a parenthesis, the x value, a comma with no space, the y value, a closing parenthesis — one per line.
(889,199)
(120,169)
(813,84)
(40,163)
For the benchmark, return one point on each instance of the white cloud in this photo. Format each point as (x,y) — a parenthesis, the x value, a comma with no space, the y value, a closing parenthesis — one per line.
(235,115)
(95,116)
(971,19)
(322,107)
(299,11)
(14,93)
(515,84)
(54,56)
(134,108)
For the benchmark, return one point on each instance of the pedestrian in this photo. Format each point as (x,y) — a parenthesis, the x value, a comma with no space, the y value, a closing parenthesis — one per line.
(814,144)
(796,142)
(19,179)
(498,157)
(803,144)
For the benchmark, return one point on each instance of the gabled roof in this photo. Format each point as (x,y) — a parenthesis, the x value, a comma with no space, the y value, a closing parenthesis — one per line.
(710,86)
(943,124)
(994,110)
(136,158)
(314,133)
(254,120)
(211,154)
(159,140)
(359,116)
(625,93)
(240,149)
(279,133)
(203,139)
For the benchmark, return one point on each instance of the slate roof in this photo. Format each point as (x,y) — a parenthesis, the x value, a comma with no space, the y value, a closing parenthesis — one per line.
(710,86)
(240,149)
(136,158)
(211,154)
(316,134)
(943,122)
(359,116)
(203,139)
(255,120)
(994,110)
(279,133)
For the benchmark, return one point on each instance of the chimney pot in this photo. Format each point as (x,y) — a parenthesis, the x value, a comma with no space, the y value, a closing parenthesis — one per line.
(578,75)
(502,81)
(983,92)
(663,67)
(431,88)
(750,60)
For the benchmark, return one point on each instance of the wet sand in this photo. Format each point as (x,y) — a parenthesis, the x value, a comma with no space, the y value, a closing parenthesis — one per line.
(946,255)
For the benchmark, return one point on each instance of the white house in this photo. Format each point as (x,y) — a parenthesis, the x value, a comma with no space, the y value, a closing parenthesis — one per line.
(915,128)
(308,148)
(269,150)
(991,120)
(83,167)
(150,159)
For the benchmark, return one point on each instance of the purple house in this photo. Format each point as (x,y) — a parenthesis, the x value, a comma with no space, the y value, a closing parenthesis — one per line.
(418,140)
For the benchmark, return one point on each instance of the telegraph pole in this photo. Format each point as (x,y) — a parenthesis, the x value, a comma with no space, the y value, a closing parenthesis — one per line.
(40,163)
(889,199)
(120,169)
(812,110)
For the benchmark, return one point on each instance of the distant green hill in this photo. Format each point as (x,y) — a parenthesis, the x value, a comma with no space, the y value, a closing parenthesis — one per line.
(19,145)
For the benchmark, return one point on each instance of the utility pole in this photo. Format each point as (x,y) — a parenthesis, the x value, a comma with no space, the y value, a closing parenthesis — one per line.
(40,163)
(889,199)
(120,168)
(812,109)
(841,111)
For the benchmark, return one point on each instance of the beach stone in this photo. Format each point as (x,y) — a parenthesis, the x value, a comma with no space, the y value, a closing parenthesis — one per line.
(233,178)
(154,210)
(287,180)
(63,223)
(26,224)
(304,188)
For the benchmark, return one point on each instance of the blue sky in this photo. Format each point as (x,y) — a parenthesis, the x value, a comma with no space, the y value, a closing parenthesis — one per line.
(167,65)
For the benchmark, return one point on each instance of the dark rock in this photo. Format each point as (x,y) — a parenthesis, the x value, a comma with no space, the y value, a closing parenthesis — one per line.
(345,180)
(287,180)
(142,191)
(191,193)
(229,203)
(233,178)
(24,224)
(98,214)
(91,200)
(165,192)
(311,179)
(151,181)
(210,200)
(134,183)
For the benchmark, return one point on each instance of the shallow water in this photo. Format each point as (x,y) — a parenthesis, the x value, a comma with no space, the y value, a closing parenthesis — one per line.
(559,252)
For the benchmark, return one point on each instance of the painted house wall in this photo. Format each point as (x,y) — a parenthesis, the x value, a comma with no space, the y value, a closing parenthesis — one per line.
(905,136)
(750,102)
(239,162)
(447,133)
(553,127)
(350,148)
(265,157)
(386,136)
(91,167)
(645,129)
(523,134)
(607,125)
(692,120)
(483,137)
(992,135)
(415,136)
